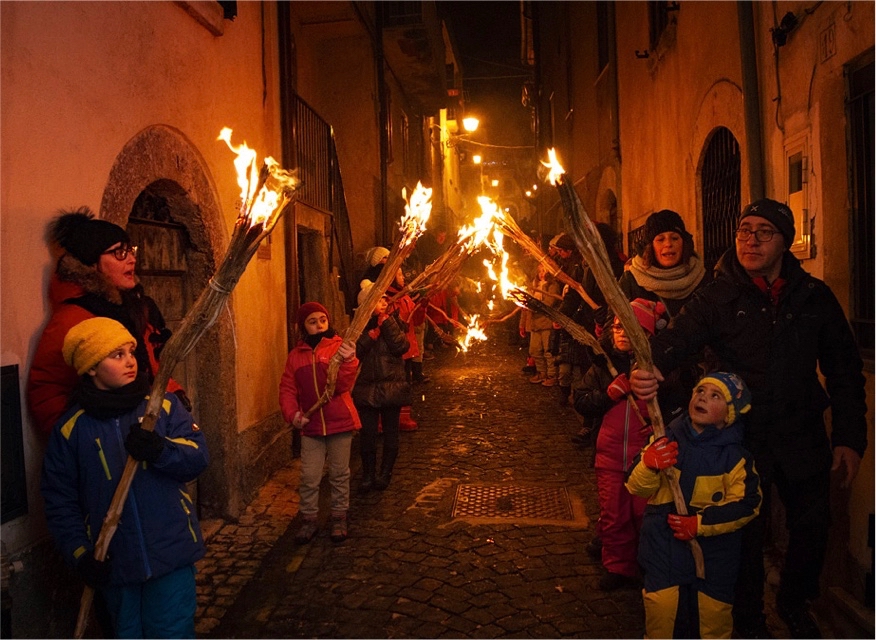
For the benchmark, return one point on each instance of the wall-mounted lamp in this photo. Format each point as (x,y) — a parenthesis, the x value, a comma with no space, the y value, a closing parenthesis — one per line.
(786,26)
(477,159)
(470,124)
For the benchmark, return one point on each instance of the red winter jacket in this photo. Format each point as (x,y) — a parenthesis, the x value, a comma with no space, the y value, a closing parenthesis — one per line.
(303,382)
(51,380)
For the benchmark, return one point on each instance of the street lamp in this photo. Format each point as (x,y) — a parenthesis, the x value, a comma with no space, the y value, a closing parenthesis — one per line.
(470,124)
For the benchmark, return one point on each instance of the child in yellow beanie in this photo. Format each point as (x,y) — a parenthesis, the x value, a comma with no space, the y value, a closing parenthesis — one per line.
(721,490)
(158,539)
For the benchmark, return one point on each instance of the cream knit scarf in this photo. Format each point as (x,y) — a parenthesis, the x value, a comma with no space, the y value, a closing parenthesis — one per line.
(675,283)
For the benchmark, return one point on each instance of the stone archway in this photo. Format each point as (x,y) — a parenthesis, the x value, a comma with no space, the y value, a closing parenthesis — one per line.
(162,158)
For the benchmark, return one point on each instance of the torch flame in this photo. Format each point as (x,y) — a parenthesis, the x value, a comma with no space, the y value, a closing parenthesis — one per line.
(483,227)
(417,212)
(259,206)
(556,169)
(474,332)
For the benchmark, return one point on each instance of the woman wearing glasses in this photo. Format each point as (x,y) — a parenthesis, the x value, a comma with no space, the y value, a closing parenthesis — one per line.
(94,276)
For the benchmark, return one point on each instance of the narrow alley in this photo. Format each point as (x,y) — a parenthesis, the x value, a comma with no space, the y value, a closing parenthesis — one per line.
(482,532)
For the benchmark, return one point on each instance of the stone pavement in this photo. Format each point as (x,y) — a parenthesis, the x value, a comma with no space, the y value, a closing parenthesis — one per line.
(481,534)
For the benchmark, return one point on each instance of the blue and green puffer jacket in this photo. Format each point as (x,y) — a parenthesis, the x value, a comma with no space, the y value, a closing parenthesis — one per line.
(159,530)
(720,486)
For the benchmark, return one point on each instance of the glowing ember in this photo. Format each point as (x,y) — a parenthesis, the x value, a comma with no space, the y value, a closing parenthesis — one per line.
(556,169)
(259,201)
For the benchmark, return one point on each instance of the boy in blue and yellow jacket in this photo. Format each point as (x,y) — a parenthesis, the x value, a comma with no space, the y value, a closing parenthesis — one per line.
(722,493)
(148,576)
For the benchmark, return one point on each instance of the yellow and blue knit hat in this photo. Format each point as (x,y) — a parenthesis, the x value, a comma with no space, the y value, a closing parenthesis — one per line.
(92,340)
(735,392)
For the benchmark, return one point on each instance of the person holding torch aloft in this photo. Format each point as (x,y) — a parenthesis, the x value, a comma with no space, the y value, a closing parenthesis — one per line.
(328,433)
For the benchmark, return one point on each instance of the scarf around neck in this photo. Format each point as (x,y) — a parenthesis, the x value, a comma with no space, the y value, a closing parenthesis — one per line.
(109,404)
(675,283)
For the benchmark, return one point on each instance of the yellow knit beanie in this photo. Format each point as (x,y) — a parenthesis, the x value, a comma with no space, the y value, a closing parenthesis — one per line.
(92,340)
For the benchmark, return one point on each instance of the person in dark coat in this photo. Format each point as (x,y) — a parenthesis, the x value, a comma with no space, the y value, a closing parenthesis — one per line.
(572,356)
(777,327)
(381,390)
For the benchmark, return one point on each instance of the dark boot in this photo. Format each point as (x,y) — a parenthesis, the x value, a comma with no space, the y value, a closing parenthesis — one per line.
(565,392)
(369,464)
(417,373)
(386,465)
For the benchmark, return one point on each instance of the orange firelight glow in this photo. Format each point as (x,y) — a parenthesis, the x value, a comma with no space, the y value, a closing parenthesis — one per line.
(556,169)
(417,212)
(260,203)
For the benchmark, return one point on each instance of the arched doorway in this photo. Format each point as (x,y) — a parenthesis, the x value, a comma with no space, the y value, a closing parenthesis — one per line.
(160,188)
(720,188)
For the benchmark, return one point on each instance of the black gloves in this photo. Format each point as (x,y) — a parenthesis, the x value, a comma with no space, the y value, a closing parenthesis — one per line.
(93,573)
(144,445)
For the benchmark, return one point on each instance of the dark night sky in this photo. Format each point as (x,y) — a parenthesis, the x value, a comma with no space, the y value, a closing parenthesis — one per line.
(487,37)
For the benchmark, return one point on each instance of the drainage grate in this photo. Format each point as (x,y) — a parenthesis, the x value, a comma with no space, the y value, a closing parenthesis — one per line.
(511,501)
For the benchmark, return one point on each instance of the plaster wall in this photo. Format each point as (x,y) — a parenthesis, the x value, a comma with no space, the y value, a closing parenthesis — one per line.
(79,80)
(661,97)
(337,77)
(812,105)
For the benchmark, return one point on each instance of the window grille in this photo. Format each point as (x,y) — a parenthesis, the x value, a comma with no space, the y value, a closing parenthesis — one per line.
(636,241)
(312,144)
(720,181)
(859,81)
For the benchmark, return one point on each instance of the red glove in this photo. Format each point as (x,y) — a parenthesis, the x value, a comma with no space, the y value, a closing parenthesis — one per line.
(522,332)
(660,454)
(374,334)
(683,527)
(619,388)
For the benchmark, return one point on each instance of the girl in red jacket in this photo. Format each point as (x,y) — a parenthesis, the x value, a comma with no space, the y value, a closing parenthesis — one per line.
(622,434)
(328,433)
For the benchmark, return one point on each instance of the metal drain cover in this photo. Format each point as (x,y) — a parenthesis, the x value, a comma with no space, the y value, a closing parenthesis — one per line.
(512,501)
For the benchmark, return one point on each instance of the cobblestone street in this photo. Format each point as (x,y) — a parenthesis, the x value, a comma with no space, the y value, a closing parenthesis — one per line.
(493,450)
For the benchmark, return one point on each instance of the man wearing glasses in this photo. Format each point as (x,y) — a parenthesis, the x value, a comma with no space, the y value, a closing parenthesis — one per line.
(94,276)
(776,326)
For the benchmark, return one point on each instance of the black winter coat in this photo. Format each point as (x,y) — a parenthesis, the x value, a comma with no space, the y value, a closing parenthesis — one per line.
(777,350)
(382,380)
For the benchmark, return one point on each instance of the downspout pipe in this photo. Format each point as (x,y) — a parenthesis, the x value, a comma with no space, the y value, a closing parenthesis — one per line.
(290,236)
(751,99)
(383,119)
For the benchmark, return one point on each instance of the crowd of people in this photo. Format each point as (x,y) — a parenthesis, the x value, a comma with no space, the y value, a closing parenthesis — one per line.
(737,358)
(738,355)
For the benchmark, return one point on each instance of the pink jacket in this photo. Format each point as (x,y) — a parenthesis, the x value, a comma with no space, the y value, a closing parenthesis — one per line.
(304,380)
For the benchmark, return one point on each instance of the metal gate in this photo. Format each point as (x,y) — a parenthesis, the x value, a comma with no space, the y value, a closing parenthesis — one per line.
(720,181)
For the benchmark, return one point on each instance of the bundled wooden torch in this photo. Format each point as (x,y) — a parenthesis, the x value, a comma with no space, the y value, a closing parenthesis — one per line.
(266,194)
(412,225)
(511,228)
(578,333)
(445,268)
(590,244)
